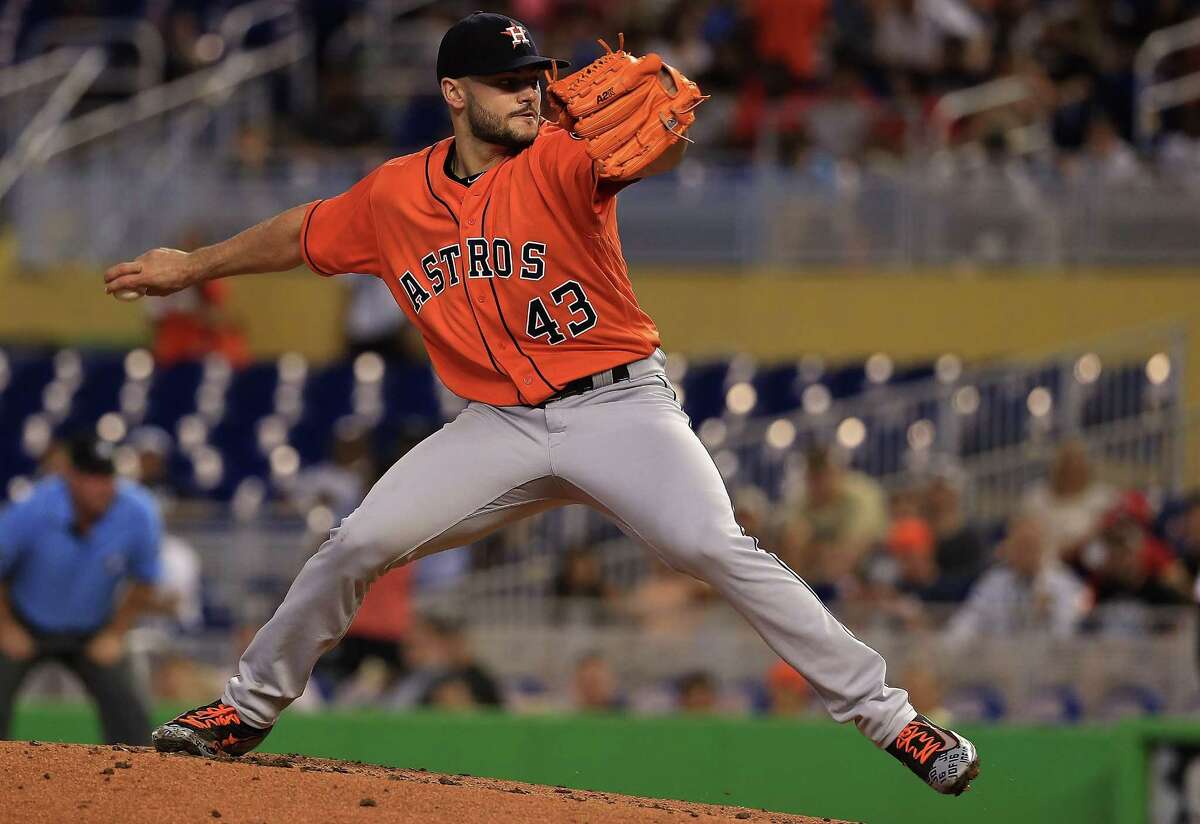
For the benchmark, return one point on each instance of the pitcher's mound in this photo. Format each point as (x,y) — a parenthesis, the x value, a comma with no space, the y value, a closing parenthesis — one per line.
(52,783)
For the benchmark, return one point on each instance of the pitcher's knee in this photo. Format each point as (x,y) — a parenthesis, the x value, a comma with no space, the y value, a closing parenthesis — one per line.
(712,549)
(355,553)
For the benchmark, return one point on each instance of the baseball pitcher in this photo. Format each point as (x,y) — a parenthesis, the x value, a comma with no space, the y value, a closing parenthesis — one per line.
(500,244)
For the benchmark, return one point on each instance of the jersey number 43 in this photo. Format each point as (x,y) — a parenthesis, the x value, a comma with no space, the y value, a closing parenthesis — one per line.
(541,324)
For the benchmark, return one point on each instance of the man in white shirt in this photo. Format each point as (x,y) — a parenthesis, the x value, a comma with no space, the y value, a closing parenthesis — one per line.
(1027,591)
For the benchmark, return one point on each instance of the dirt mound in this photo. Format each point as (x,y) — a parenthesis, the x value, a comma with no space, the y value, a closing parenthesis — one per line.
(52,783)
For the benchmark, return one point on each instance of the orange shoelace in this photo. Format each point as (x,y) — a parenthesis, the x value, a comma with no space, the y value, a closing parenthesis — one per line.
(918,741)
(208,717)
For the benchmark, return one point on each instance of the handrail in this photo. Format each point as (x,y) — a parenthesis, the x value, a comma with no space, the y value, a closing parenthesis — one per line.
(1153,97)
(92,31)
(240,20)
(31,145)
(37,70)
(106,30)
(199,86)
(994,94)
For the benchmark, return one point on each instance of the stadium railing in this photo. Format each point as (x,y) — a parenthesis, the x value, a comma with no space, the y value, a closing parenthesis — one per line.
(925,215)
(1153,97)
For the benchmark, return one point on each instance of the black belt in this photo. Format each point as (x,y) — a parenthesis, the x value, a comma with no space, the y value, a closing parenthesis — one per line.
(587,384)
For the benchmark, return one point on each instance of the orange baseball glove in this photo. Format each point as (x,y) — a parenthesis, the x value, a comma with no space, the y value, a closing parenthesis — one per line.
(619,107)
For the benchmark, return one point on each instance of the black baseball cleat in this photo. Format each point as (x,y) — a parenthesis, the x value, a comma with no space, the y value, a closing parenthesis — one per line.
(208,731)
(942,759)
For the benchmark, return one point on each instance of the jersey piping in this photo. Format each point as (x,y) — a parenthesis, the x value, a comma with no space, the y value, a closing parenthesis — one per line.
(500,309)
(304,234)
(470,303)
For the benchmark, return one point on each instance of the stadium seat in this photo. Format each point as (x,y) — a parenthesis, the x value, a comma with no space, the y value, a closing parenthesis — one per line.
(1129,701)
(251,392)
(704,390)
(1055,704)
(977,702)
(173,394)
(98,392)
(778,389)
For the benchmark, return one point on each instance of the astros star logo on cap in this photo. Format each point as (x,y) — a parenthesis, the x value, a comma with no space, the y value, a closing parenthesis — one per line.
(518,34)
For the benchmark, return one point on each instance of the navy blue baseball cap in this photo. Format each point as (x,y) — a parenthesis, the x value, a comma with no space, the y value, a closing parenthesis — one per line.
(91,455)
(486,43)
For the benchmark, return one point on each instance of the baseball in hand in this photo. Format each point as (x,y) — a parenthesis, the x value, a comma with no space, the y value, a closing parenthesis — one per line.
(127,294)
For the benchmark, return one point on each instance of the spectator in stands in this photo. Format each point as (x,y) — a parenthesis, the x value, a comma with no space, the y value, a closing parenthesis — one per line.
(153,447)
(451,692)
(681,41)
(843,515)
(924,689)
(196,322)
(1131,570)
(1070,502)
(463,664)
(959,550)
(341,481)
(788,690)
(594,686)
(910,544)
(697,693)
(789,40)
(665,602)
(179,679)
(841,120)
(79,560)
(55,460)
(373,323)
(1182,528)
(178,596)
(1107,160)
(377,635)
(899,578)
(1028,590)
(752,510)
(440,652)
(581,594)
(1179,157)
(905,38)
(1180,525)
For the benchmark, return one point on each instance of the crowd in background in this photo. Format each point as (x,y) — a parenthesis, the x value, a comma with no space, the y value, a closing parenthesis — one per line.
(813,84)
(1078,558)
(816,84)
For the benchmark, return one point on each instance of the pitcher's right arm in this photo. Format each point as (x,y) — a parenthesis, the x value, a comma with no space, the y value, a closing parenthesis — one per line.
(270,246)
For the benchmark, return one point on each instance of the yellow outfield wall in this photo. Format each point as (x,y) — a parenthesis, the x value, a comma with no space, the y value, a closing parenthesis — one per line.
(773,315)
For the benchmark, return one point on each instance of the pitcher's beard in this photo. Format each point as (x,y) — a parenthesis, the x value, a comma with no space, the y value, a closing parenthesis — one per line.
(495,130)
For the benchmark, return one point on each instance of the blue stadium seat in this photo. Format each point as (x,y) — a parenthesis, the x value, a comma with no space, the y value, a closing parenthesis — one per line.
(704,390)
(1130,701)
(99,391)
(173,394)
(30,371)
(1055,704)
(410,392)
(236,440)
(911,373)
(756,695)
(976,703)
(251,392)
(846,381)
(1118,393)
(778,389)
(328,395)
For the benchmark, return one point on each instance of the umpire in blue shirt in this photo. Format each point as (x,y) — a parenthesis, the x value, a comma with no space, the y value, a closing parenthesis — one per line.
(78,561)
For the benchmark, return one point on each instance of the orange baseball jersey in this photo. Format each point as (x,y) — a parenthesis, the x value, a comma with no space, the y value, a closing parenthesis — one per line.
(516,281)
